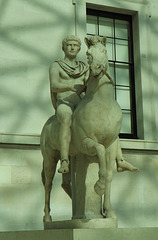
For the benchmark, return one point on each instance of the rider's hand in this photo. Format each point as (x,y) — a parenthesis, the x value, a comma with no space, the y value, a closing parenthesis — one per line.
(80,89)
(72,88)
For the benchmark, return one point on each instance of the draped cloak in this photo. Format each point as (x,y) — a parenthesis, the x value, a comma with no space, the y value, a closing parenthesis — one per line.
(75,72)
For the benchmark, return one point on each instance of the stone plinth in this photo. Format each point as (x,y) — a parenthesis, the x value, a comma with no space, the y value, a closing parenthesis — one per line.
(86,203)
(84,234)
(82,224)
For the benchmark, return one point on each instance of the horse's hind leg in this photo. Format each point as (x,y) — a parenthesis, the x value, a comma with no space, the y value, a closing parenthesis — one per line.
(50,160)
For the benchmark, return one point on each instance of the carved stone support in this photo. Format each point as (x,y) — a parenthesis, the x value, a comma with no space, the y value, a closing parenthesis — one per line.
(86,203)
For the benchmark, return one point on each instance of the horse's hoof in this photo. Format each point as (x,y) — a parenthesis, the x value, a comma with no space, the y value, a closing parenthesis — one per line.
(99,188)
(47,218)
(64,168)
(111,214)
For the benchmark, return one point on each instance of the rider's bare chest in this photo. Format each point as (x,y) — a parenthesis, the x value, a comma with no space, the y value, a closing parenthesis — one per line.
(63,75)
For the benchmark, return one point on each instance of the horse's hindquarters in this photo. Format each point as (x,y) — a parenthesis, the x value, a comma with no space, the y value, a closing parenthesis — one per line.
(50,134)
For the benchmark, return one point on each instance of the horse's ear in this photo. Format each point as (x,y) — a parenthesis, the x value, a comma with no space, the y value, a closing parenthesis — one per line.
(87,42)
(104,41)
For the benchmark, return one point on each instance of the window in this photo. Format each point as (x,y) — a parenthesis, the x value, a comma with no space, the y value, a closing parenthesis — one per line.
(118,30)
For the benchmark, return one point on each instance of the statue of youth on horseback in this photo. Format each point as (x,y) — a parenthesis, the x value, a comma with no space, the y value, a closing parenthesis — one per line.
(68,79)
(84,123)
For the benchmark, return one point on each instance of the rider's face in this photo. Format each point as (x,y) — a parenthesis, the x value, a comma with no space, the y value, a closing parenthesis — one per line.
(71,48)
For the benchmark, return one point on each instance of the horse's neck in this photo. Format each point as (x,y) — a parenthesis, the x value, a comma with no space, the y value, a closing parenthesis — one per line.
(101,88)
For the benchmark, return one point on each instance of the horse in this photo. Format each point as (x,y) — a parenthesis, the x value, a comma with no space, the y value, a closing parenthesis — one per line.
(96,124)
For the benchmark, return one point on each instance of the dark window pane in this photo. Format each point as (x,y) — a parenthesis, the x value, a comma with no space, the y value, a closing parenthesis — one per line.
(122,74)
(123,97)
(110,48)
(122,29)
(106,27)
(122,51)
(92,25)
(126,122)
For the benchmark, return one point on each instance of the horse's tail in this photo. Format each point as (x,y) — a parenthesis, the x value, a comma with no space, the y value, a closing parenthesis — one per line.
(43,177)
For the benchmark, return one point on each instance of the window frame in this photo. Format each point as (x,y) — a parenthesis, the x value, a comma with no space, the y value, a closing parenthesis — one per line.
(126,17)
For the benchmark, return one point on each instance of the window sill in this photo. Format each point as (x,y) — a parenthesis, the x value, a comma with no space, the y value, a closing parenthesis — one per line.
(126,144)
(19,139)
(135,144)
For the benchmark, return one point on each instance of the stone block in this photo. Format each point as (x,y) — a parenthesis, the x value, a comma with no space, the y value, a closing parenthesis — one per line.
(10,156)
(84,234)
(83,224)
(20,175)
(5,174)
(86,203)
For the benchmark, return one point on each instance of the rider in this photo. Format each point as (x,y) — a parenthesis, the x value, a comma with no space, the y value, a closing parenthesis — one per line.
(67,77)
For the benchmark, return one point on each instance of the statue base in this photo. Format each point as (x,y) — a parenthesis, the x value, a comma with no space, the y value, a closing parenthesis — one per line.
(82,224)
(78,234)
(86,204)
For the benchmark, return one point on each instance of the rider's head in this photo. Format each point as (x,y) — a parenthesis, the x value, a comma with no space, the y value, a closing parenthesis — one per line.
(73,40)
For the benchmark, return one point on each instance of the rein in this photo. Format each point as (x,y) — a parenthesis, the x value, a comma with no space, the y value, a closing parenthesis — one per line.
(111,80)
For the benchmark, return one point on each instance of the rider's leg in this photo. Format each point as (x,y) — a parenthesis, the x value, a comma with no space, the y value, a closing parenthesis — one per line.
(122,164)
(64,115)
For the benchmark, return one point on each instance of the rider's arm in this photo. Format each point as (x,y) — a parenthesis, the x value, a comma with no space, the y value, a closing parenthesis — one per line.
(55,84)
(84,86)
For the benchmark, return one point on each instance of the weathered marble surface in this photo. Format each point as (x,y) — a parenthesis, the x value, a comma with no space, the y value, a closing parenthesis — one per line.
(94,128)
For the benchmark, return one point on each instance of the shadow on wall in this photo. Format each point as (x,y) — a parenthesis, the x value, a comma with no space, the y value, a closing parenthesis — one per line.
(134,195)
(22,192)
(29,42)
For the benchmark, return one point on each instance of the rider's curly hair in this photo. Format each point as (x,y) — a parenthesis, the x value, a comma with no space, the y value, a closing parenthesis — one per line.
(70,38)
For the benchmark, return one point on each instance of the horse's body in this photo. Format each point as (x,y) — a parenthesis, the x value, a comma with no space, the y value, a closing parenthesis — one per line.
(95,129)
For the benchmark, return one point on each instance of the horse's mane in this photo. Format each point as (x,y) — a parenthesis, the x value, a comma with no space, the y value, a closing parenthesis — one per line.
(100,45)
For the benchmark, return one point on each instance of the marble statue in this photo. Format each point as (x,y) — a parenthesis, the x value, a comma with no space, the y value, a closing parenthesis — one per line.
(87,123)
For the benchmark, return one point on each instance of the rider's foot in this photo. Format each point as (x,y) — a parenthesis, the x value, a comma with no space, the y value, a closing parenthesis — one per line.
(64,168)
(123,165)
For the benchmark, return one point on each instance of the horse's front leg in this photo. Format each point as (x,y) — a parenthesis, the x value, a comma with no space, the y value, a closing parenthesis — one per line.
(100,185)
(110,160)
(107,208)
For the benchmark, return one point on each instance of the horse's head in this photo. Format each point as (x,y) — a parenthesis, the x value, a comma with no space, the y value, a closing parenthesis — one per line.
(97,55)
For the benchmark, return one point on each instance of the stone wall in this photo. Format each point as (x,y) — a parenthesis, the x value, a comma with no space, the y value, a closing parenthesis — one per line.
(88,234)
(30,39)
(134,195)
(22,192)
